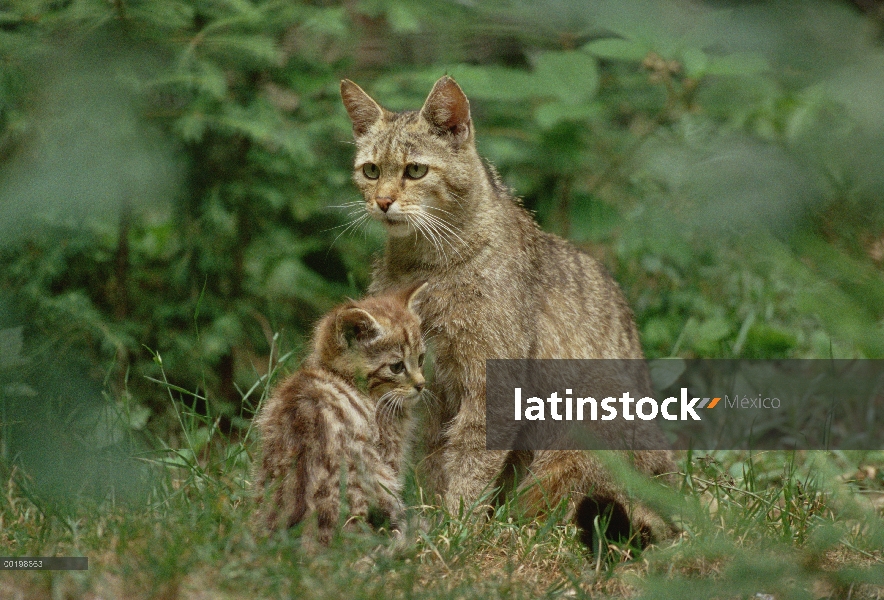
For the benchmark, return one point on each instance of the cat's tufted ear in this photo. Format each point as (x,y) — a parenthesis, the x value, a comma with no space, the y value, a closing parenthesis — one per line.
(447,110)
(363,111)
(411,294)
(356,324)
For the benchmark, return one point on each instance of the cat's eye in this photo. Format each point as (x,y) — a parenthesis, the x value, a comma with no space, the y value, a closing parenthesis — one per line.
(397,368)
(420,360)
(415,171)
(371,170)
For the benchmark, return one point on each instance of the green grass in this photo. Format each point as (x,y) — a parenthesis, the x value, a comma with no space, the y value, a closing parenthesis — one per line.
(799,525)
(749,526)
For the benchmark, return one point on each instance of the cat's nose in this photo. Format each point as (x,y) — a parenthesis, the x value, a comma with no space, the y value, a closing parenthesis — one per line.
(384,202)
(419,387)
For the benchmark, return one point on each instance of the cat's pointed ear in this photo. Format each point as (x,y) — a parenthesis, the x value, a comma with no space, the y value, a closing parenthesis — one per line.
(411,295)
(447,110)
(356,324)
(363,111)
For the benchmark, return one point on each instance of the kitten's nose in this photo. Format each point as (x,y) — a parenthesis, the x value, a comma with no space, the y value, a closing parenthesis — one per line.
(419,387)
(384,202)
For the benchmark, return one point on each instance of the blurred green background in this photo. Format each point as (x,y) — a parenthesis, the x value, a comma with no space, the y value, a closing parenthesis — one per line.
(169,172)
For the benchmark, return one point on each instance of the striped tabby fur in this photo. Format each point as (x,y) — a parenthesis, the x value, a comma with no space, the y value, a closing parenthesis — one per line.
(320,434)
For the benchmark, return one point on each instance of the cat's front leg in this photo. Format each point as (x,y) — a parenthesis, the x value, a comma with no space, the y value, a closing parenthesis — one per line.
(471,470)
(432,470)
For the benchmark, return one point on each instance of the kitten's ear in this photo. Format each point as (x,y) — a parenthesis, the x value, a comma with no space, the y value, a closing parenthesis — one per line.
(411,294)
(356,324)
(447,110)
(363,111)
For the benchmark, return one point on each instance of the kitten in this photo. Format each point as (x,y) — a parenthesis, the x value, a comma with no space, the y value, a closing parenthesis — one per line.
(320,432)
(502,288)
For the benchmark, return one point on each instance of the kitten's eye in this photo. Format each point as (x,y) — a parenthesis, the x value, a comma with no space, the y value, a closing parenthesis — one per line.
(397,368)
(415,171)
(371,170)
(420,360)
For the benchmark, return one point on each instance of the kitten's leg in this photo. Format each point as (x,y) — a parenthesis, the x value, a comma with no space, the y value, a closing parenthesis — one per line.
(358,500)
(391,505)
(389,499)
(312,493)
(327,503)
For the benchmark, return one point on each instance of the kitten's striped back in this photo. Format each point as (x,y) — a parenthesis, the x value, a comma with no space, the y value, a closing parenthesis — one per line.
(319,427)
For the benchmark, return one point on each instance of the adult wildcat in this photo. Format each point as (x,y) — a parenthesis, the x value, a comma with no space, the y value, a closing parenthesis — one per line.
(501,288)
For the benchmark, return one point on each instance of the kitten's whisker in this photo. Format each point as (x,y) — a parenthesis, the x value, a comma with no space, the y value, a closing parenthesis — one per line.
(429,397)
(383,404)
(394,406)
(386,396)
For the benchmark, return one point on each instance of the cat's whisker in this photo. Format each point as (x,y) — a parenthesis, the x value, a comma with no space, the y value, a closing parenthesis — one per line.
(431,225)
(418,230)
(383,404)
(336,227)
(357,224)
(354,224)
(351,214)
(394,406)
(429,397)
(418,221)
(389,407)
(354,213)
(429,229)
(363,226)
(359,203)
(445,232)
(457,198)
(447,212)
(448,227)
(386,396)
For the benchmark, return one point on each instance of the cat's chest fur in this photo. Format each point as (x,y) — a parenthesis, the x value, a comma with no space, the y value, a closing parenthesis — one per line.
(471,308)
